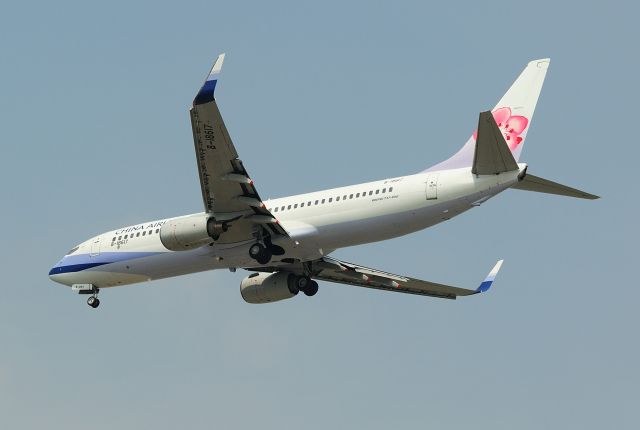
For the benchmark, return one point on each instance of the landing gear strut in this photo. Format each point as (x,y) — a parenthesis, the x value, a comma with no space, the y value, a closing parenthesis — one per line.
(260,253)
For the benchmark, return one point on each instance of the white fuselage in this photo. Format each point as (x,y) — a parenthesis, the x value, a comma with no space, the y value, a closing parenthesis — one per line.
(318,222)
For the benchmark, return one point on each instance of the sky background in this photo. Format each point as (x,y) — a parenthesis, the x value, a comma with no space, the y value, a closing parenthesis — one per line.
(95,134)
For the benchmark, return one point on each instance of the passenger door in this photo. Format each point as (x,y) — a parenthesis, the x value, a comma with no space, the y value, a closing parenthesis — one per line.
(95,247)
(432,186)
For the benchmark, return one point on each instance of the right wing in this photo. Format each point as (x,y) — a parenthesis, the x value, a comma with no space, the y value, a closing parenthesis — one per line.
(334,270)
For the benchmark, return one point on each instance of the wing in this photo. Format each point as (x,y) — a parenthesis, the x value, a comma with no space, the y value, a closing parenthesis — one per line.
(333,270)
(227,189)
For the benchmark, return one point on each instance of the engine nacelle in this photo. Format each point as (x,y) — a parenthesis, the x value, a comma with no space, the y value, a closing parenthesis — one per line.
(268,287)
(189,232)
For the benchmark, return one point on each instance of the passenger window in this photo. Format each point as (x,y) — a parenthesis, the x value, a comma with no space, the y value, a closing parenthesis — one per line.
(126,236)
(119,237)
(330,199)
(322,201)
(276,210)
(288,207)
(377,191)
(390,189)
(138,235)
(384,190)
(114,239)
(357,195)
(302,204)
(295,206)
(344,197)
(338,199)
(157,230)
(350,196)
(308,203)
(144,233)
(316,202)
(282,208)
(370,193)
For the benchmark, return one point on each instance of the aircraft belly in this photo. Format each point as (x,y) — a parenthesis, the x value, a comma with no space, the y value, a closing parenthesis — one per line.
(162,265)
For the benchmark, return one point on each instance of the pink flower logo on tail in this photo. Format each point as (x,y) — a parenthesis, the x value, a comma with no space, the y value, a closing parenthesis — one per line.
(511,126)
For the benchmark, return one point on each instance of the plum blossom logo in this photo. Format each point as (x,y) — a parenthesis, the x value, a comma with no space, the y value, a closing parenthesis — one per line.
(511,126)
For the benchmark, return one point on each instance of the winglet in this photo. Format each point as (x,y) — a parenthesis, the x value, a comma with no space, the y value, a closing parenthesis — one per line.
(486,284)
(205,94)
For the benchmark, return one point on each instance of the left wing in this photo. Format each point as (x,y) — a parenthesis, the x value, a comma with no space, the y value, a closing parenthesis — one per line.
(227,189)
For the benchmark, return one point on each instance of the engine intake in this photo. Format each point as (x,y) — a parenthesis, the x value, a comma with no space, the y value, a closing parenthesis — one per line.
(268,287)
(189,232)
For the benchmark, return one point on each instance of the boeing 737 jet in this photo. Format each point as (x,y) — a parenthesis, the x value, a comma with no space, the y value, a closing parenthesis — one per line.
(287,242)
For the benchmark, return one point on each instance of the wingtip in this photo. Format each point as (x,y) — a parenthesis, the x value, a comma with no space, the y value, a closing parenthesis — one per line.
(217,66)
(488,281)
(208,88)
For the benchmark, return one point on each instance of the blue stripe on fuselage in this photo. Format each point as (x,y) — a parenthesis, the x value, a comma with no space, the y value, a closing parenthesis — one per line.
(77,263)
(73,268)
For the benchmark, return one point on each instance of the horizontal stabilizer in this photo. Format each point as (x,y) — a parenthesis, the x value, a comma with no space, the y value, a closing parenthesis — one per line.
(540,185)
(492,155)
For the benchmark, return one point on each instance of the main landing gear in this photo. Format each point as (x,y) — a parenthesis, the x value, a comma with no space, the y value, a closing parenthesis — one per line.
(260,253)
(305,284)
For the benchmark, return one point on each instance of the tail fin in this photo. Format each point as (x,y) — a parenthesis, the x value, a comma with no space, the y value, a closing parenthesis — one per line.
(513,114)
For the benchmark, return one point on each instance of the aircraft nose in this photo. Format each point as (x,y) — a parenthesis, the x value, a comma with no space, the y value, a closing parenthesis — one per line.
(55,274)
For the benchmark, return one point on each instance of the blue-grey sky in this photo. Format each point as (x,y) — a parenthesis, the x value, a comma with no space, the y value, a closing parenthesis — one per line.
(96,134)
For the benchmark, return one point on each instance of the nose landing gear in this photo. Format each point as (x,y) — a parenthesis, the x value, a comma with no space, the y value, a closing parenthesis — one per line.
(93,300)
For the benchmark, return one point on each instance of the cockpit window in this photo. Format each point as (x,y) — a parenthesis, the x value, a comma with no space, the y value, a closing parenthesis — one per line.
(72,250)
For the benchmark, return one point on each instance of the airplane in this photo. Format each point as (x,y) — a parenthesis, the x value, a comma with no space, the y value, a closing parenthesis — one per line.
(287,242)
